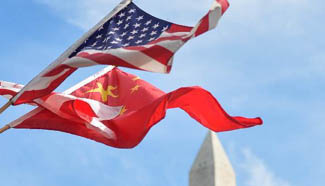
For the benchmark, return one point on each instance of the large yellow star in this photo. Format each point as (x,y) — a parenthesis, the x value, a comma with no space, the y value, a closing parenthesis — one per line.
(135,88)
(104,93)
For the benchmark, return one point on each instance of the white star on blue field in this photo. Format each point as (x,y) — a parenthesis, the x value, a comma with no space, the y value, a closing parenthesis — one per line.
(265,58)
(131,27)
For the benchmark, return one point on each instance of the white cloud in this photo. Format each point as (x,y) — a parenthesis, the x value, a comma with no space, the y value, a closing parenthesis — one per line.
(257,171)
(81,13)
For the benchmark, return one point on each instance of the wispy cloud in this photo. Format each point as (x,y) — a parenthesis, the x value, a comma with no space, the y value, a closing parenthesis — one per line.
(258,172)
(252,170)
(81,13)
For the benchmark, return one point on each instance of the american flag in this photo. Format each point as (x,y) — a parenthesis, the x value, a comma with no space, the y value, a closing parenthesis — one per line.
(129,38)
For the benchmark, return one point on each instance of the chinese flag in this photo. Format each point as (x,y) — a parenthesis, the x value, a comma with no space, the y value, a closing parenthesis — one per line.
(143,106)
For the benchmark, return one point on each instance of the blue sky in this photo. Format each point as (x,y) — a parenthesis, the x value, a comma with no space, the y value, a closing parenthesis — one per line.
(266,58)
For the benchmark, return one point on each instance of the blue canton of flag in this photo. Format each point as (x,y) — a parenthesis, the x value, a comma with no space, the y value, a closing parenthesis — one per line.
(130,27)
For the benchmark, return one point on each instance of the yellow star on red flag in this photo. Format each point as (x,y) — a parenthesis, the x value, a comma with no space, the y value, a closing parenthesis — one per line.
(104,93)
(135,88)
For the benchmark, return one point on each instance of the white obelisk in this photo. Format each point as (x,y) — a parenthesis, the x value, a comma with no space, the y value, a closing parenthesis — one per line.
(212,166)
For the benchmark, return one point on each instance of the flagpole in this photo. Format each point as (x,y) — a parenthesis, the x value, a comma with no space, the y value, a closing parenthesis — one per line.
(5,128)
(74,47)
(4,107)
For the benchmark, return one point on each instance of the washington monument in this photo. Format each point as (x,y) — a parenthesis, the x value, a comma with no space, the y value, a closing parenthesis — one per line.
(211,166)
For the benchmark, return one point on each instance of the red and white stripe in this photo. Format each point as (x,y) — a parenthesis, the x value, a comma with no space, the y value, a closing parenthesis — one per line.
(156,56)
(90,112)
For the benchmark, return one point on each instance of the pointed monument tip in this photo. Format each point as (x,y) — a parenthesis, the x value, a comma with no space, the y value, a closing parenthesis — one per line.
(211,166)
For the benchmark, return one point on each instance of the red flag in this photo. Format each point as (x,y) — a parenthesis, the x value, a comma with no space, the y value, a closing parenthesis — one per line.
(143,106)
